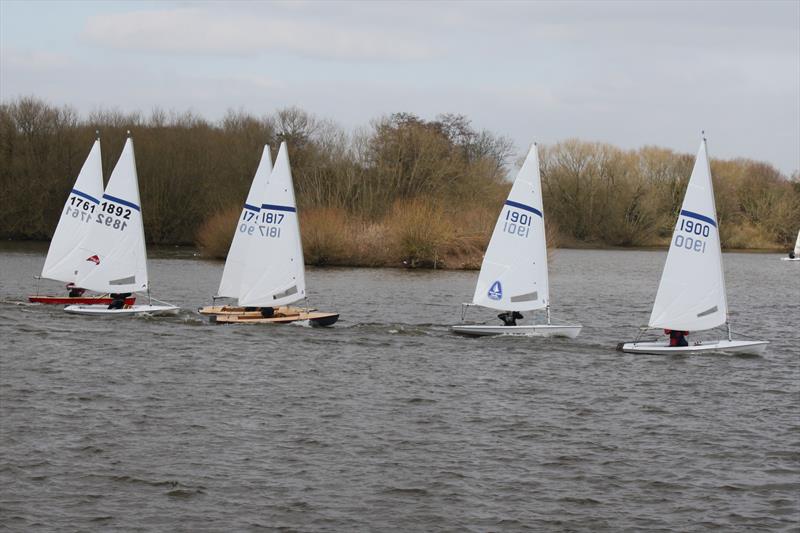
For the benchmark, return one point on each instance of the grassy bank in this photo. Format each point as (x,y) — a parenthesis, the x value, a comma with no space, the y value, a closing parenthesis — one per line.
(404,191)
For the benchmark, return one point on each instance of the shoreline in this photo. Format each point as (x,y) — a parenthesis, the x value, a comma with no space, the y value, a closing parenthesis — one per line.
(188,251)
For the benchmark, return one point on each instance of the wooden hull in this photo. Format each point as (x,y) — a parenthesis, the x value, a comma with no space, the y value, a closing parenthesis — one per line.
(103,299)
(217,310)
(541,330)
(721,346)
(103,311)
(315,319)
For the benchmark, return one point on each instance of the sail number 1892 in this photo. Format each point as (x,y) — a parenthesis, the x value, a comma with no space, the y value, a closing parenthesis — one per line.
(517,223)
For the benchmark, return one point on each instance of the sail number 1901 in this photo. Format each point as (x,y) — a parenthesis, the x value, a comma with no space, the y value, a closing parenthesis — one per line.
(517,223)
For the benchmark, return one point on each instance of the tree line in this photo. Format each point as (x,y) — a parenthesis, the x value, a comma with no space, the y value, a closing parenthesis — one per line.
(403,189)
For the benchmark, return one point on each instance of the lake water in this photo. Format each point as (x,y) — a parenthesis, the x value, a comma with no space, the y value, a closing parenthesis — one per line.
(387,422)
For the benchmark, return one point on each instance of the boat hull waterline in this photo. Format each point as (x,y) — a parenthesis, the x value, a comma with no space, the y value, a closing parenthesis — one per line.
(535,330)
(721,346)
(99,310)
(78,300)
(314,319)
(212,310)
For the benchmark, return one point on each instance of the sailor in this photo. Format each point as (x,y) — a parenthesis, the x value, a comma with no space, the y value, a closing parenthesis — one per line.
(75,292)
(791,254)
(118,300)
(676,338)
(267,312)
(509,318)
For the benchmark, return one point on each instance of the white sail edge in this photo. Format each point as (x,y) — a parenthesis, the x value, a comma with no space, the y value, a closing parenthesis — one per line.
(76,219)
(274,272)
(691,295)
(513,274)
(230,284)
(114,253)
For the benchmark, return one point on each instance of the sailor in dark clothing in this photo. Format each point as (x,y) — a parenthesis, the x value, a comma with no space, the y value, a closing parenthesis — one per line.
(267,312)
(509,318)
(677,338)
(118,300)
(75,292)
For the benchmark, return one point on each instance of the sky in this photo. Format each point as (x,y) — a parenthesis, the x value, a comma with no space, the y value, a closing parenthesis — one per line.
(627,73)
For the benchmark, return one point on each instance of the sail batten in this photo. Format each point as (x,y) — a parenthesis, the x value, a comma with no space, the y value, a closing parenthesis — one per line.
(691,295)
(513,274)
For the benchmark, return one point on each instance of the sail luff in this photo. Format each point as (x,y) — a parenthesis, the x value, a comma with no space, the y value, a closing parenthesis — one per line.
(513,274)
(76,219)
(230,284)
(720,266)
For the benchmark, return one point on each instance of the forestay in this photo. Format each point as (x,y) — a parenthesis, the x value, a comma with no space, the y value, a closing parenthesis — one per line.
(113,254)
(231,282)
(513,275)
(76,220)
(691,295)
(274,273)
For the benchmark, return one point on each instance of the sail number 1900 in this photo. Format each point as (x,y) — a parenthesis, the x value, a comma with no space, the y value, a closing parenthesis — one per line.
(694,241)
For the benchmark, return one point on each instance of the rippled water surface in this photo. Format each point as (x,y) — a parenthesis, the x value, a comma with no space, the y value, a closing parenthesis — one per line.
(387,421)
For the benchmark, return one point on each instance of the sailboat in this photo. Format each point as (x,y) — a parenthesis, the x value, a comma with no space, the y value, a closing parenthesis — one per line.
(114,258)
(513,274)
(268,258)
(72,228)
(691,295)
(794,255)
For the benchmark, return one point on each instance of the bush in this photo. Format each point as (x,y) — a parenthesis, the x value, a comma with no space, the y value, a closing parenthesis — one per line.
(215,235)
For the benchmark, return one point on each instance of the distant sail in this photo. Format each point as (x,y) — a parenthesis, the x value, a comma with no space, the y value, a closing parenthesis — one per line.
(797,245)
(114,255)
(274,273)
(76,220)
(691,295)
(513,275)
(246,230)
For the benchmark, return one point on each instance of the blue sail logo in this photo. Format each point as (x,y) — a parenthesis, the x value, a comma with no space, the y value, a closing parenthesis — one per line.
(495,291)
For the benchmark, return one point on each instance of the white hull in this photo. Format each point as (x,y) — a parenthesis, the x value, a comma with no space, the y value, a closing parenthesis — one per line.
(721,346)
(541,330)
(790,258)
(101,310)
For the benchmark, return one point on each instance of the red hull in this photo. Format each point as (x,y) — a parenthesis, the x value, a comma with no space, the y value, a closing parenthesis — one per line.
(66,300)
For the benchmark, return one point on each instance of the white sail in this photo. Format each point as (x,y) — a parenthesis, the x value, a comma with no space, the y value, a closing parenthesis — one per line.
(274,273)
(691,295)
(113,254)
(513,275)
(231,282)
(797,245)
(76,219)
